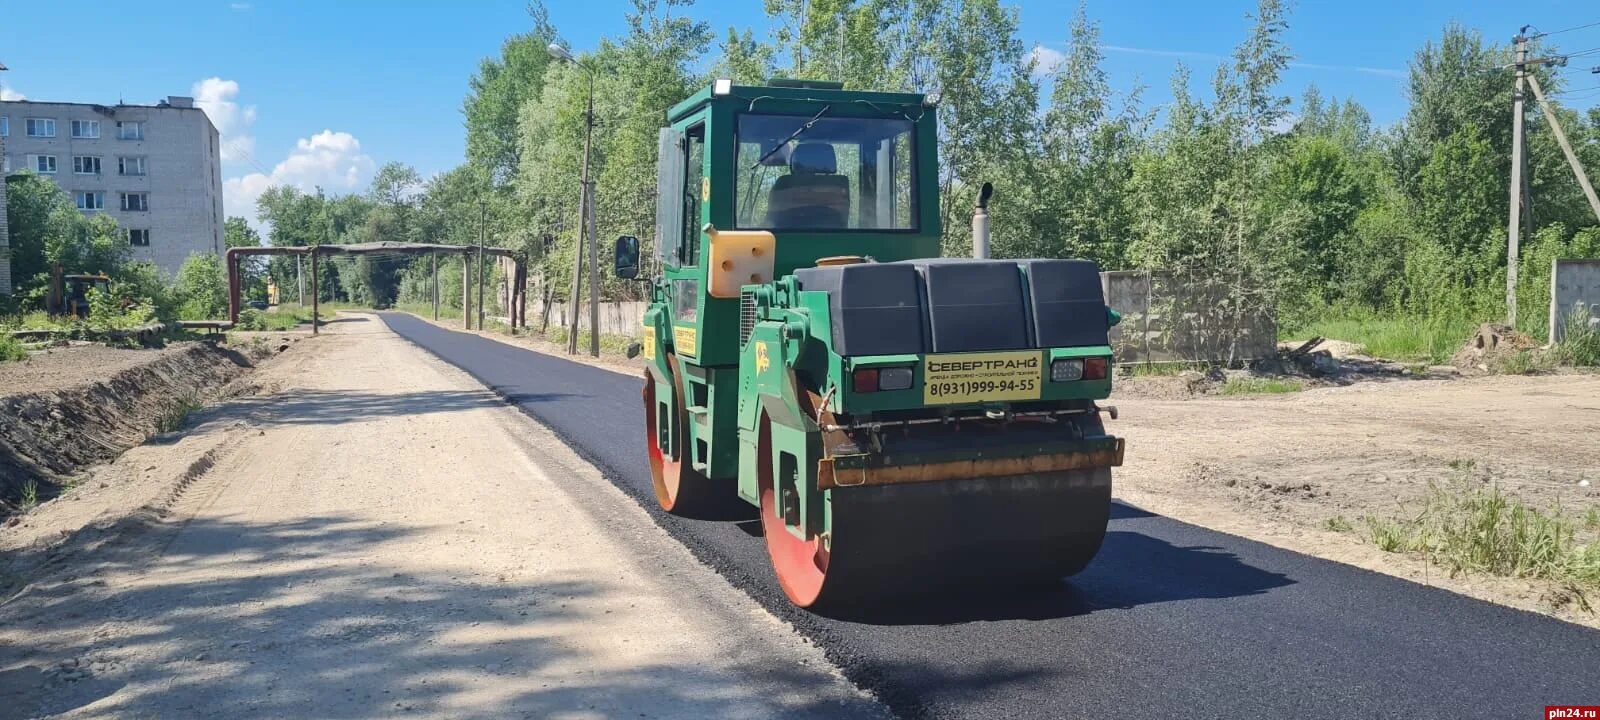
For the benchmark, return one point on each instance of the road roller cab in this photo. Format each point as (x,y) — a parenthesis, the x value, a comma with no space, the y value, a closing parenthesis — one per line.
(903,422)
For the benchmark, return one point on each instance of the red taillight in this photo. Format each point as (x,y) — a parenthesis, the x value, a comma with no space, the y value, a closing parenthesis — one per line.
(864,380)
(1094,368)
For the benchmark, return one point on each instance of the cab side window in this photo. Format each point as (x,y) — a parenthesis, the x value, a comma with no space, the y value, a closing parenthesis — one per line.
(694,187)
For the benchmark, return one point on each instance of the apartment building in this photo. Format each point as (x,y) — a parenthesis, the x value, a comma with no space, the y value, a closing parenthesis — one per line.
(156,169)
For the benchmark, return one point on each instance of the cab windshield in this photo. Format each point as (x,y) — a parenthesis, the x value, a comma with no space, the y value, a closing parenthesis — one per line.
(814,172)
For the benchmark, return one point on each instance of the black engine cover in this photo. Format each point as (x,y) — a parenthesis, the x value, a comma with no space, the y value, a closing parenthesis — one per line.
(947,305)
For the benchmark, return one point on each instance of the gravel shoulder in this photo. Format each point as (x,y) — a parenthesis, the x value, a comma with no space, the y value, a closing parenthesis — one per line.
(378,537)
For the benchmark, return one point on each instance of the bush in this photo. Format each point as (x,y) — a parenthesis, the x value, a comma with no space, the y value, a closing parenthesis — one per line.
(202,289)
(253,319)
(10,348)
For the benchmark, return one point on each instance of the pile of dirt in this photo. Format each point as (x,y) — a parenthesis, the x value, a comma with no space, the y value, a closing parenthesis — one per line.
(1491,344)
(66,410)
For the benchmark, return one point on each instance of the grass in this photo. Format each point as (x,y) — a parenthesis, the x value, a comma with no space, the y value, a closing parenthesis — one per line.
(1580,344)
(177,412)
(1430,340)
(1467,526)
(609,344)
(10,347)
(1338,523)
(1164,369)
(30,495)
(1260,386)
(425,310)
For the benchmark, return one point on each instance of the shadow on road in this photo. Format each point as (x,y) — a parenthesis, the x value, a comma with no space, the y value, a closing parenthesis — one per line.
(1132,569)
(335,407)
(302,618)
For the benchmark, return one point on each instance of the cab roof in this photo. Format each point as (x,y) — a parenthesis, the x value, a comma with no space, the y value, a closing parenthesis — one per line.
(751,96)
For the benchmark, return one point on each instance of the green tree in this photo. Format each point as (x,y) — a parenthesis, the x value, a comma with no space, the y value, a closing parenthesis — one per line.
(201,289)
(236,232)
(499,90)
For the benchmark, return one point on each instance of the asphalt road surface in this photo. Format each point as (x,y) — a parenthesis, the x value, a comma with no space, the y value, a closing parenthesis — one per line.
(1170,621)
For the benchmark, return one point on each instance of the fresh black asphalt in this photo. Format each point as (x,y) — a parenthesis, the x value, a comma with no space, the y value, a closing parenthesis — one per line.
(1170,621)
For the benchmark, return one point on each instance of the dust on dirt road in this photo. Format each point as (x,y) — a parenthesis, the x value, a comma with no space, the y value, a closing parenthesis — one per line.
(380,537)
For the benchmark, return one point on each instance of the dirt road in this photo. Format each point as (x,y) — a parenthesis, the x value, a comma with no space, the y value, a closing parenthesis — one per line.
(380,537)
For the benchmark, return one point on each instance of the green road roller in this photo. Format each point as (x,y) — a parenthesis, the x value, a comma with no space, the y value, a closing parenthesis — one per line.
(906,424)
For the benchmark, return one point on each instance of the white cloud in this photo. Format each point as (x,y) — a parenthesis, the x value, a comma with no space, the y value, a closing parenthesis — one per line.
(329,160)
(9,94)
(234,121)
(1284,125)
(240,6)
(1046,60)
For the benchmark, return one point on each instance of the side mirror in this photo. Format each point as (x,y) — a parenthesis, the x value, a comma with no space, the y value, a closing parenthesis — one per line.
(627,257)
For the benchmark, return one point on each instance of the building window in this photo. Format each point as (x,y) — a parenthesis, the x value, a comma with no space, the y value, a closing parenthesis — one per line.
(45,164)
(130,166)
(5,126)
(86,164)
(89,129)
(135,202)
(41,127)
(138,237)
(130,130)
(5,165)
(91,200)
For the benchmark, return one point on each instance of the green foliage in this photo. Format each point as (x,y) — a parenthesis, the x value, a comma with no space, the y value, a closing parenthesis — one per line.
(1391,237)
(10,348)
(1260,386)
(47,230)
(1467,526)
(202,288)
(1390,335)
(108,312)
(499,90)
(1580,343)
(30,495)
(177,412)
(142,282)
(259,320)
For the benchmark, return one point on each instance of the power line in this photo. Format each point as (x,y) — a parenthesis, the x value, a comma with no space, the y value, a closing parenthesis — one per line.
(1563,30)
(1574,90)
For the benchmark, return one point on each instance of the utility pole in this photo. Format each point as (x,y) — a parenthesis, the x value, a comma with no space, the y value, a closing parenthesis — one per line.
(1513,225)
(584,234)
(585,219)
(483,234)
(300,278)
(594,280)
(466,290)
(435,257)
(316,294)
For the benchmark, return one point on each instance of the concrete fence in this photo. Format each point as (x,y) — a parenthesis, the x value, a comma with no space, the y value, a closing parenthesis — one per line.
(616,318)
(1180,317)
(1165,318)
(1574,290)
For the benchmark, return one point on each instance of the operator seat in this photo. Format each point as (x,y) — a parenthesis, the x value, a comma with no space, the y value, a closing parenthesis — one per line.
(813,194)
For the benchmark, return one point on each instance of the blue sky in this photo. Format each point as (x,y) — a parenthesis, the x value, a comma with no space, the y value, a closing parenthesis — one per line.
(321,93)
